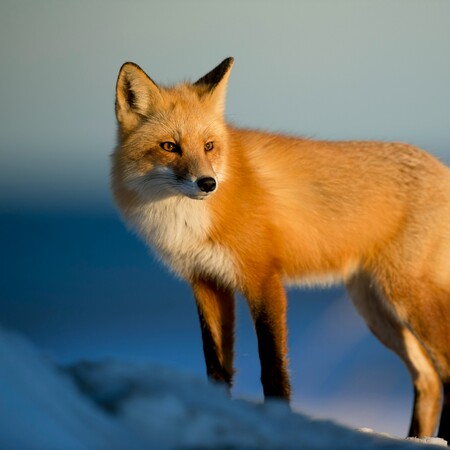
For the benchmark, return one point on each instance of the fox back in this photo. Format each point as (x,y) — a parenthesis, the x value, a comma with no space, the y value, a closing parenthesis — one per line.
(231,209)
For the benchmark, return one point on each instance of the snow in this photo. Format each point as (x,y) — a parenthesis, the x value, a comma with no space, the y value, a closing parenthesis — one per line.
(116,405)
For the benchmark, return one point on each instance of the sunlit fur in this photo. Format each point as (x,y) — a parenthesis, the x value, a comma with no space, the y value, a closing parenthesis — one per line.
(375,216)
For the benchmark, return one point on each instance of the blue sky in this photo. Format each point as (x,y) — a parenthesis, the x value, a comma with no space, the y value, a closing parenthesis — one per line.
(326,69)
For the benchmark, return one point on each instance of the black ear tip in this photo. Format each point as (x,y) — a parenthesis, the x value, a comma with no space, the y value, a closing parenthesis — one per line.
(211,79)
(229,61)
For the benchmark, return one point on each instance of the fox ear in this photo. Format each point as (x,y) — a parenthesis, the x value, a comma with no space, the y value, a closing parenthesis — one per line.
(136,95)
(213,86)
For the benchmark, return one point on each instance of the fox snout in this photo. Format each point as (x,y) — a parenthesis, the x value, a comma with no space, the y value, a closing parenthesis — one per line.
(197,188)
(200,188)
(207,184)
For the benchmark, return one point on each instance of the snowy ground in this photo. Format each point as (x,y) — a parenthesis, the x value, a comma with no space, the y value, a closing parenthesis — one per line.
(112,405)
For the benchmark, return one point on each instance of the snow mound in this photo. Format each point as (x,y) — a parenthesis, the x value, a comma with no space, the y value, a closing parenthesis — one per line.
(112,405)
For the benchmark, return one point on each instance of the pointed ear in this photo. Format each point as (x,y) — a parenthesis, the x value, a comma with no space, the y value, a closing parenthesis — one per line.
(213,85)
(136,95)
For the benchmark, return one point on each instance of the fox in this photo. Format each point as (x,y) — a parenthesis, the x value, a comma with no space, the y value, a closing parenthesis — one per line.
(235,210)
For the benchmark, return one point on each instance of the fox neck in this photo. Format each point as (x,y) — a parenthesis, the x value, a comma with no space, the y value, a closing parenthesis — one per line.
(179,229)
(171,223)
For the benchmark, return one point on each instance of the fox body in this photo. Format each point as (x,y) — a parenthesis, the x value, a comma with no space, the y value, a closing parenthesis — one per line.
(232,210)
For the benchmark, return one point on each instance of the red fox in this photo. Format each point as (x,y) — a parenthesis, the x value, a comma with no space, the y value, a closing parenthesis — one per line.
(236,210)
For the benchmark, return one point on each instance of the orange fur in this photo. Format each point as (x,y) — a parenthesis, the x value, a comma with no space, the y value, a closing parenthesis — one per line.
(232,210)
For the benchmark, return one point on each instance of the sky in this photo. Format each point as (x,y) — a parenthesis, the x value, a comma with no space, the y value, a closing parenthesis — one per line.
(325,69)
(77,283)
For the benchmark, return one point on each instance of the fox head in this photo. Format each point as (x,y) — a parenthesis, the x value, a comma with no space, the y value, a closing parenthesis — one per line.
(172,140)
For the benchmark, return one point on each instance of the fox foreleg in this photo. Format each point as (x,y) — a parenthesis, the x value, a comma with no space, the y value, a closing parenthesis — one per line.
(215,307)
(268,305)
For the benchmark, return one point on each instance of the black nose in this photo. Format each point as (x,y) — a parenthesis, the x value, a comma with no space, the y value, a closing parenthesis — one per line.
(206,184)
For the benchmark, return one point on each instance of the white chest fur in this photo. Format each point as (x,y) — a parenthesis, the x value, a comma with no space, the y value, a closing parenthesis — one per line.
(177,229)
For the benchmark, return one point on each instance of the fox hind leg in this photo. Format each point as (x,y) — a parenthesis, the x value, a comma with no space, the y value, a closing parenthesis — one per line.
(384,322)
(429,319)
(444,426)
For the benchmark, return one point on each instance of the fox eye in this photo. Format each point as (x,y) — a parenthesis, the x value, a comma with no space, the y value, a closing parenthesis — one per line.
(169,146)
(209,146)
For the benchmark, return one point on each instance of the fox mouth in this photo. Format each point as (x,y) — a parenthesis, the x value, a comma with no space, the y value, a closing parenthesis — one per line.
(199,196)
(159,184)
(194,192)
